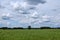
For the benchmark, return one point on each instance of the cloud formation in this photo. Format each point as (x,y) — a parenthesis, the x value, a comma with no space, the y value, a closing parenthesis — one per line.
(29,12)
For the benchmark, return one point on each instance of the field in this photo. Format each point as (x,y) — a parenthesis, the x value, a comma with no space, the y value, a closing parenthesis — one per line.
(33,34)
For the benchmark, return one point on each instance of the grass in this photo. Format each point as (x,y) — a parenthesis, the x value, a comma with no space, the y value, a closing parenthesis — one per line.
(39,34)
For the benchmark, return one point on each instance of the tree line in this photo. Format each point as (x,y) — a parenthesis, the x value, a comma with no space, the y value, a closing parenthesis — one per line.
(29,27)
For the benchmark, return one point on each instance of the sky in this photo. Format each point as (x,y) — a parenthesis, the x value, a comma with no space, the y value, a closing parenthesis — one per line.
(22,13)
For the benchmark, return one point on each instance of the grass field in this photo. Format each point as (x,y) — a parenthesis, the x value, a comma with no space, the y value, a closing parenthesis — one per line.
(39,34)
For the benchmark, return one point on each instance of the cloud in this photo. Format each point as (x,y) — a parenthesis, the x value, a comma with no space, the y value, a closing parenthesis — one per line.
(23,9)
(18,5)
(1,6)
(34,14)
(6,16)
(56,18)
(35,2)
(45,18)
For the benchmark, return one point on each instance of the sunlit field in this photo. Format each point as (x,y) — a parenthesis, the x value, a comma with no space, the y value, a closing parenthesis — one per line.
(32,34)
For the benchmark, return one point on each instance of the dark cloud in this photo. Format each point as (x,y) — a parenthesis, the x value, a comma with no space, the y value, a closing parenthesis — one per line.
(54,9)
(47,21)
(5,18)
(35,2)
(32,8)
(1,6)
(25,13)
(35,17)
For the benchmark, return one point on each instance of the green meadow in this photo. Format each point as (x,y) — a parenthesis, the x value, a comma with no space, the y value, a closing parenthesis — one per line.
(32,34)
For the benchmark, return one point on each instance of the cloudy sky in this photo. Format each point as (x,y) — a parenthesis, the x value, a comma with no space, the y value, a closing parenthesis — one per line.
(37,13)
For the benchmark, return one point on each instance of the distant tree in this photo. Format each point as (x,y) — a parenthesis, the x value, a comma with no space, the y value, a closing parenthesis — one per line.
(18,28)
(57,27)
(29,27)
(4,27)
(45,27)
(9,28)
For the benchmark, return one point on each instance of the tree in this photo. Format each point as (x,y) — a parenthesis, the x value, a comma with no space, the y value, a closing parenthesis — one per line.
(18,28)
(45,28)
(29,27)
(4,28)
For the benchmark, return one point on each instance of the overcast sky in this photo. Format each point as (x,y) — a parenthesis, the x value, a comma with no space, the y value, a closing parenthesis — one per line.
(37,13)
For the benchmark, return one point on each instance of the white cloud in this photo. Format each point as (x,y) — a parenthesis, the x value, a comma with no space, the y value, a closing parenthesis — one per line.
(20,5)
(45,18)
(34,14)
(15,5)
(6,14)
